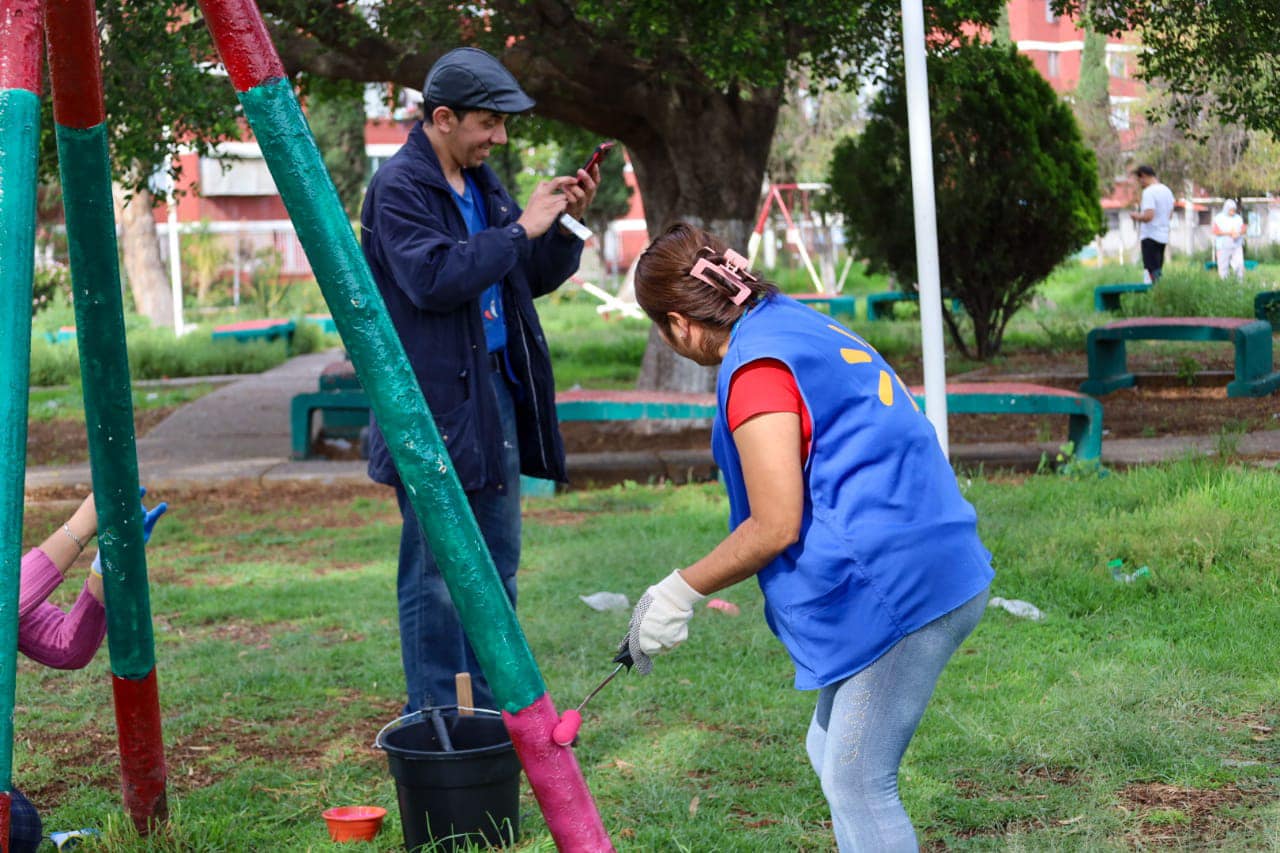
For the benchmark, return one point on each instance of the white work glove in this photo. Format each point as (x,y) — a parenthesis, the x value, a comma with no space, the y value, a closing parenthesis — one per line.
(660,621)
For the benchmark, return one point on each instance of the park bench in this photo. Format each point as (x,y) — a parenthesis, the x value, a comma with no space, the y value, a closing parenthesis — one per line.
(1254,373)
(880,305)
(257,330)
(64,333)
(836,303)
(341,394)
(1265,304)
(1106,297)
(581,405)
(353,404)
(324,321)
(1084,424)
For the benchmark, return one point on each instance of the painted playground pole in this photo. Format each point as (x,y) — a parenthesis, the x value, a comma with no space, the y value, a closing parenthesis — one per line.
(420,456)
(21,40)
(85,167)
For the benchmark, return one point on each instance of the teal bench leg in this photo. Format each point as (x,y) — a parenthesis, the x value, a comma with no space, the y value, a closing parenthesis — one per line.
(1084,429)
(1108,366)
(300,410)
(1255,372)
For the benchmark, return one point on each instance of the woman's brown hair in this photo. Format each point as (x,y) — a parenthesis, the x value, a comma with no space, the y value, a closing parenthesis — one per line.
(664,281)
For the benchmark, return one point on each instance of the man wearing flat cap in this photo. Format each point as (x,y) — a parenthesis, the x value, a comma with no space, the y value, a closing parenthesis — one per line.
(458,264)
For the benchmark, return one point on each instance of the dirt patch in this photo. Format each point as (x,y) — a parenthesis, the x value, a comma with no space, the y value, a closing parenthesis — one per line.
(62,441)
(1171,815)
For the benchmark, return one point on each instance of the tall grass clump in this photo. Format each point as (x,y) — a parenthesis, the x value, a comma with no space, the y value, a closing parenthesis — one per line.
(157,354)
(1188,292)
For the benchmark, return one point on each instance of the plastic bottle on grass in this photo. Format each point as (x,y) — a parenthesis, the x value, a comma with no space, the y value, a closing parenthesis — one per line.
(1119,575)
(1019,608)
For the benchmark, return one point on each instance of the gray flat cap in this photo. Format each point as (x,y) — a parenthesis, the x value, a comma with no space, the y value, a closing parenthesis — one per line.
(469,78)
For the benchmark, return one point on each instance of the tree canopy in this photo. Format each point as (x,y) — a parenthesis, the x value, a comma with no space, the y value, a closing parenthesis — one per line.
(1223,55)
(1017,189)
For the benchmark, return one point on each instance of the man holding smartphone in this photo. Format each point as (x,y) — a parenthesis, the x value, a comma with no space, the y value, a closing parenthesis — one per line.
(458,264)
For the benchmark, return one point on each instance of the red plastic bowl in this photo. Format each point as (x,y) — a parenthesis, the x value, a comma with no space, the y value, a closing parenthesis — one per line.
(354,823)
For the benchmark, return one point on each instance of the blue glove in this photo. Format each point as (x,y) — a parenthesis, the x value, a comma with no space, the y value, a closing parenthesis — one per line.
(150,516)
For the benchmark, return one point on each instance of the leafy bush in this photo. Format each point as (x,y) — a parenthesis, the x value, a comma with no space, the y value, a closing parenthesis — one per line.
(1017,190)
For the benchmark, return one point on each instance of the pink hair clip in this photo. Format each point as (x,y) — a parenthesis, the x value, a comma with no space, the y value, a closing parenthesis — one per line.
(732,271)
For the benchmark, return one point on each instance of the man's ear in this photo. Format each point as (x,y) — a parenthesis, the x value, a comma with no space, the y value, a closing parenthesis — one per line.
(444,119)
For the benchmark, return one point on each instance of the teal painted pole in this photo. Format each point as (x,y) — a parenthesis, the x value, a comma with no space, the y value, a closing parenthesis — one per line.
(108,395)
(420,455)
(19,143)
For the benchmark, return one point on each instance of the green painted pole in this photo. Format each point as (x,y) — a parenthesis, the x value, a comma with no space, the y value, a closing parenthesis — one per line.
(19,143)
(378,356)
(108,394)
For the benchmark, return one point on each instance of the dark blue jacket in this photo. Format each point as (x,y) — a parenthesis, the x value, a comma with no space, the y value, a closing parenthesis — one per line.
(431,273)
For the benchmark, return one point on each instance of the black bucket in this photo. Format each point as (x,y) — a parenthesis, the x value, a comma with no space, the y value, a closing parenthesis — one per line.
(449,798)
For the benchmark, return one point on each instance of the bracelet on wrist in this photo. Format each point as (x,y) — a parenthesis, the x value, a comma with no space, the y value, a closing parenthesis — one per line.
(66,528)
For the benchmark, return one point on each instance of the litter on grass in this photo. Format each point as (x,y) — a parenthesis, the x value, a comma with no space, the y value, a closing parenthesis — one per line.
(1019,608)
(726,607)
(605,601)
(1119,575)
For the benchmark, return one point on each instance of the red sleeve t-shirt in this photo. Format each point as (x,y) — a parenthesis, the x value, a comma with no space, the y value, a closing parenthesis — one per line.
(764,386)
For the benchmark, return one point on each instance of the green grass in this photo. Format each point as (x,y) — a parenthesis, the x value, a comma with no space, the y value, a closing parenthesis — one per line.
(68,402)
(278,661)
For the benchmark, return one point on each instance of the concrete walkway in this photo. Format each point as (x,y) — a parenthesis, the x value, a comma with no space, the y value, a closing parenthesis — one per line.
(241,431)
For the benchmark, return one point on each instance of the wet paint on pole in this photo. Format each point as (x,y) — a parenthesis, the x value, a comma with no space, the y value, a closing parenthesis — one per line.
(85,168)
(378,356)
(21,43)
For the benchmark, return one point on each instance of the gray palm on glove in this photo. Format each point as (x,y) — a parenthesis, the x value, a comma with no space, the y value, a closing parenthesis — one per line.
(660,621)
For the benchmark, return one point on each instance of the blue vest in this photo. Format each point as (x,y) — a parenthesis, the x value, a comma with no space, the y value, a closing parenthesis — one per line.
(887,542)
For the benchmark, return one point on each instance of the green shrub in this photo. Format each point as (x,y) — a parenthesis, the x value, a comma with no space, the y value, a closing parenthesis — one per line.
(157,354)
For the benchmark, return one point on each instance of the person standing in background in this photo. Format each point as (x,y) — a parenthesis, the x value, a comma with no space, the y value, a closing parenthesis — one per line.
(1228,240)
(1152,216)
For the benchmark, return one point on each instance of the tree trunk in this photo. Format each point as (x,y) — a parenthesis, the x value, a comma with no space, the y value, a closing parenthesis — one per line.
(140,246)
(701,160)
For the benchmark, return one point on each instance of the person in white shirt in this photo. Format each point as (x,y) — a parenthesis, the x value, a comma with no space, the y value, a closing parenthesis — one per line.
(1228,240)
(1153,217)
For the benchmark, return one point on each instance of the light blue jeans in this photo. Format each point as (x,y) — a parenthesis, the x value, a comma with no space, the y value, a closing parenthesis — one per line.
(862,726)
(433,647)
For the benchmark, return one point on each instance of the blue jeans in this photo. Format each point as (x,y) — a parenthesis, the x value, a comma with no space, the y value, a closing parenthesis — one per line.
(433,647)
(862,726)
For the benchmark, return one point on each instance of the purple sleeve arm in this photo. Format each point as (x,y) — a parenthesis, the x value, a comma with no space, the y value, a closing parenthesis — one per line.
(63,640)
(40,577)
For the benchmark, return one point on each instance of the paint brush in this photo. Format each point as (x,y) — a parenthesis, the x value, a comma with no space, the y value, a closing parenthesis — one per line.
(566,731)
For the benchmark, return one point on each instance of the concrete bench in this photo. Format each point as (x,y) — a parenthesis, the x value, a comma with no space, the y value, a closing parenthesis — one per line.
(355,404)
(1106,297)
(64,333)
(324,321)
(337,398)
(1255,375)
(880,305)
(1084,414)
(836,303)
(633,405)
(257,330)
(1263,305)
